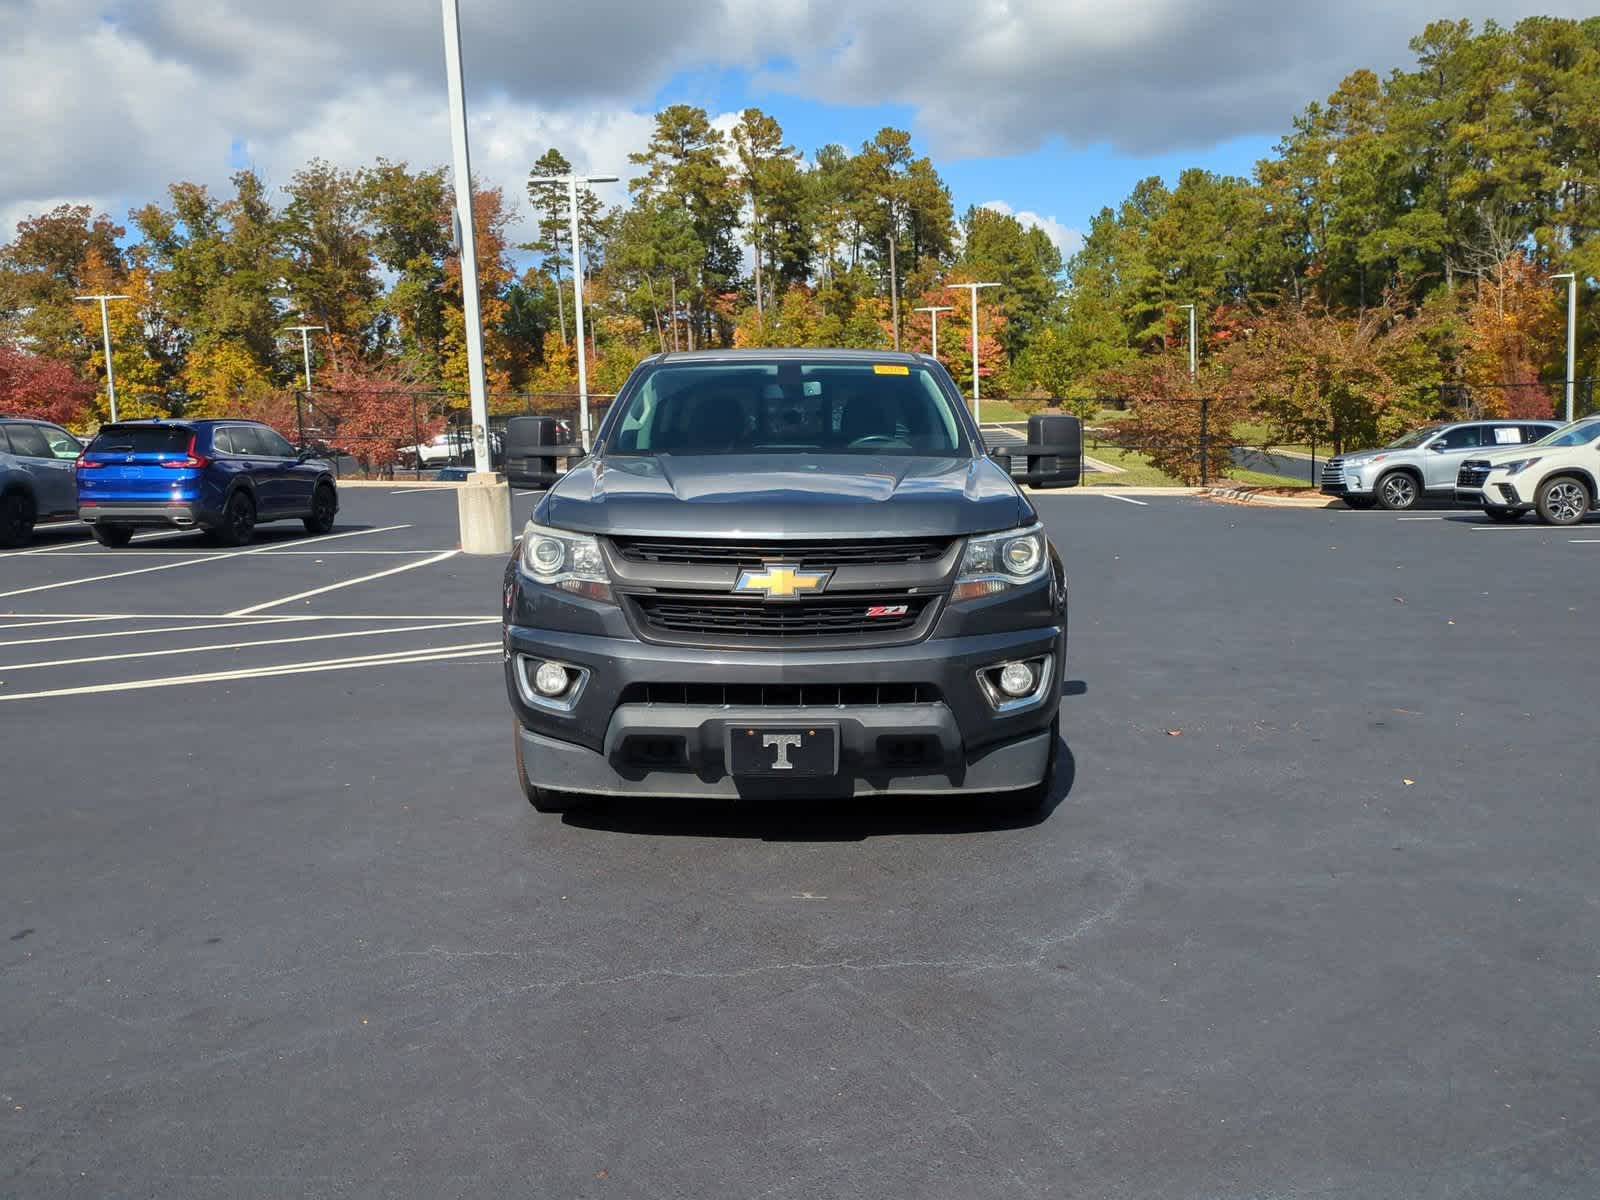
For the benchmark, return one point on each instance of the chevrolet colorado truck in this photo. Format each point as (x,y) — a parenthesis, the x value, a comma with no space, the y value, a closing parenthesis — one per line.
(785,573)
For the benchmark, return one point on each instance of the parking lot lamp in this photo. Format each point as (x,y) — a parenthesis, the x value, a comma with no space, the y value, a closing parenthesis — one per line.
(111,377)
(1572,335)
(933,311)
(1192,363)
(973,289)
(483,506)
(573,182)
(305,332)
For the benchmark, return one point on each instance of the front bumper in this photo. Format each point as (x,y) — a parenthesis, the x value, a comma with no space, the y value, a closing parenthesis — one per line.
(953,739)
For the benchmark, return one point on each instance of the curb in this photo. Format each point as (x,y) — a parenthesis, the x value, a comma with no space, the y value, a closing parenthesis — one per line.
(1246,495)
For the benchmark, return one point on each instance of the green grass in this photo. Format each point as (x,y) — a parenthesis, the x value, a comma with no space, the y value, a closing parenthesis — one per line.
(1139,472)
(999,410)
(1262,479)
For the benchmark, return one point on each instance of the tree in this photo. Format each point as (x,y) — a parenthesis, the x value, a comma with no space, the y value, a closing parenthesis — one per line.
(34,386)
(552,205)
(1185,425)
(685,173)
(1024,262)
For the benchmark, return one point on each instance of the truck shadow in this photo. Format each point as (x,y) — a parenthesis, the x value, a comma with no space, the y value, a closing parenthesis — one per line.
(829,820)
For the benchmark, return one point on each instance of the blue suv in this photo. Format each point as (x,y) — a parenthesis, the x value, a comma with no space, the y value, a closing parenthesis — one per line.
(225,477)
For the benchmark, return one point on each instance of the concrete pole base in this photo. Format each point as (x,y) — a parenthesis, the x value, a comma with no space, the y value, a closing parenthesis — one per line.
(484,505)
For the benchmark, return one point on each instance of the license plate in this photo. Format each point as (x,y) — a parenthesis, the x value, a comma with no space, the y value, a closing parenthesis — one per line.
(786,752)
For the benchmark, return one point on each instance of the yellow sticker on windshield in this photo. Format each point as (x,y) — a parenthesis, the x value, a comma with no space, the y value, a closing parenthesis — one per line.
(890,369)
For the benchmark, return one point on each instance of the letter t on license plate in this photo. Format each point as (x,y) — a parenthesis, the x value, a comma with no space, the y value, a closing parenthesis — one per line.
(783,751)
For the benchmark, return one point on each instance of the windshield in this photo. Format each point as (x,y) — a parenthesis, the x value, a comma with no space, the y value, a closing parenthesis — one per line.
(785,407)
(1414,438)
(1579,433)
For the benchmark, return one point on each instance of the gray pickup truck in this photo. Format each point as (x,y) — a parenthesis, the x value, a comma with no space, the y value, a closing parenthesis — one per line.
(37,477)
(787,573)
(1423,463)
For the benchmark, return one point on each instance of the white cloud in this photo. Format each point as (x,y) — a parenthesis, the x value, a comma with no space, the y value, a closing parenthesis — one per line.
(1066,239)
(107,101)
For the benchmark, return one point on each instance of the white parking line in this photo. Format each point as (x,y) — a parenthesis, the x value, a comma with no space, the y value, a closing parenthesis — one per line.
(276,552)
(189,562)
(1124,499)
(1584,541)
(529,492)
(1419,518)
(283,641)
(344,583)
(392,658)
(127,633)
(35,618)
(414,491)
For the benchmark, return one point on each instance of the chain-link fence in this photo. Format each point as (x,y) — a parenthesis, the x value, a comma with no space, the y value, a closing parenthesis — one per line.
(1206,441)
(411,433)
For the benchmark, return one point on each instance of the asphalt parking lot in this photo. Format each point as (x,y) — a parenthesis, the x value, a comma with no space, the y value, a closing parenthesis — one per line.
(1313,912)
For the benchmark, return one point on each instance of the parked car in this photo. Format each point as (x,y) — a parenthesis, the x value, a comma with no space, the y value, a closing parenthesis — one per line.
(225,477)
(451,475)
(1558,478)
(453,446)
(1422,463)
(36,483)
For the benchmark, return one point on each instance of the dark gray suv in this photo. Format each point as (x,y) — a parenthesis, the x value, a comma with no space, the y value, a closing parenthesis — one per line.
(37,482)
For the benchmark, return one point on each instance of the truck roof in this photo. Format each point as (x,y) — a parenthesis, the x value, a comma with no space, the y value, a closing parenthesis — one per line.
(790,353)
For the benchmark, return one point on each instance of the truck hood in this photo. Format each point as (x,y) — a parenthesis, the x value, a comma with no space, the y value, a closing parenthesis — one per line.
(784,495)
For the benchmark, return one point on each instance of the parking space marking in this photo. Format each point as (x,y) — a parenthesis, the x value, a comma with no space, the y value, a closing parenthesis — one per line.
(50,621)
(273,617)
(1419,518)
(344,583)
(276,553)
(414,491)
(1124,499)
(282,641)
(126,633)
(391,658)
(189,562)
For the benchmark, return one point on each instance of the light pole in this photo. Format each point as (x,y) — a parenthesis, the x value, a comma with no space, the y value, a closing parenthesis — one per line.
(462,165)
(933,311)
(1572,335)
(973,289)
(105,333)
(305,332)
(572,182)
(1192,363)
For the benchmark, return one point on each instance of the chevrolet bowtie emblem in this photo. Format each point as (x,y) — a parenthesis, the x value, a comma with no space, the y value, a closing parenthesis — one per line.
(782,581)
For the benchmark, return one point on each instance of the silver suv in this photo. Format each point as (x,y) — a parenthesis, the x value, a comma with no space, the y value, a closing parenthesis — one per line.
(1423,463)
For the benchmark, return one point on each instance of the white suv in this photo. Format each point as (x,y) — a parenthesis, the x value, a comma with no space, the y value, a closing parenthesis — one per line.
(1556,477)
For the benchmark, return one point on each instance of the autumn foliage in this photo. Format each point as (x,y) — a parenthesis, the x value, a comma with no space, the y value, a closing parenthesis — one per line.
(33,386)
(374,414)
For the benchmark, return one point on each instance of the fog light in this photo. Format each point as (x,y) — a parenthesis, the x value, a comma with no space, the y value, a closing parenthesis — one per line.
(550,679)
(1016,679)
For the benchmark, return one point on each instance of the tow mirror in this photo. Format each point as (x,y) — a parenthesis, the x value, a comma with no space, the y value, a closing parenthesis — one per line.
(1052,455)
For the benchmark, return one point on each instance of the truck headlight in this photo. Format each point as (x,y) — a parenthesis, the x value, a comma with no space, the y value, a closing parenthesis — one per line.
(570,561)
(997,561)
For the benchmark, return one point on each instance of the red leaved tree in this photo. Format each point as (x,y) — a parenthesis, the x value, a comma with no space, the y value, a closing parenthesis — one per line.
(373,412)
(31,386)
(1170,415)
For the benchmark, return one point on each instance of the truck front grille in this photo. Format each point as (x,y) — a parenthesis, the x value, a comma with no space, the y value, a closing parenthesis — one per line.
(734,620)
(752,553)
(781,695)
(1474,473)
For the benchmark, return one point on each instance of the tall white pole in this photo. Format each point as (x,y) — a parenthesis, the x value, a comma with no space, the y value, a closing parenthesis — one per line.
(482,462)
(1572,337)
(577,305)
(305,348)
(111,374)
(973,288)
(933,312)
(1193,364)
(105,336)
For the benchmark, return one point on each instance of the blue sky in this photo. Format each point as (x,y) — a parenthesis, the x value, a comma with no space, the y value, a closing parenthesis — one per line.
(1069,184)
